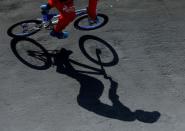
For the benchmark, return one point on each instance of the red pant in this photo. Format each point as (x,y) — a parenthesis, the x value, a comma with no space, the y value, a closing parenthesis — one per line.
(67,13)
(92,9)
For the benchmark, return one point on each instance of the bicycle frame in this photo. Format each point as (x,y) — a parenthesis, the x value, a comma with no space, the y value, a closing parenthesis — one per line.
(52,54)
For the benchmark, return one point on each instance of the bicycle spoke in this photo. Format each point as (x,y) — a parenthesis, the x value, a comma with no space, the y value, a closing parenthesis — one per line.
(37,55)
(98,50)
(31,54)
(24,28)
(93,45)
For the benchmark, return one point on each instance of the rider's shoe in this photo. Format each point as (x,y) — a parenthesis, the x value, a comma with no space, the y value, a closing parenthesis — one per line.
(60,35)
(93,22)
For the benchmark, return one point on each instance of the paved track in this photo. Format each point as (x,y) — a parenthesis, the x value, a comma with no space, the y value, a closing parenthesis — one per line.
(149,38)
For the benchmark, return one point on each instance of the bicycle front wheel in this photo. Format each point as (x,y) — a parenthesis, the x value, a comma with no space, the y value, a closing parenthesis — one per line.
(31,53)
(25,28)
(98,50)
(83,22)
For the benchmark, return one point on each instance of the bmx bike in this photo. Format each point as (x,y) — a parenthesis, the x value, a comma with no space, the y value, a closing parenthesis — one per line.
(30,27)
(35,56)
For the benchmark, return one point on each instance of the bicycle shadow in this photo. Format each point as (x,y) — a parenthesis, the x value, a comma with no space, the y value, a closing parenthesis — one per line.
(91,90)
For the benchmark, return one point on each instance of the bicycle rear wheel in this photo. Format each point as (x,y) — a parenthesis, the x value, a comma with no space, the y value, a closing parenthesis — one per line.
(25,28)
(31,53)
(91,45)
(82,23)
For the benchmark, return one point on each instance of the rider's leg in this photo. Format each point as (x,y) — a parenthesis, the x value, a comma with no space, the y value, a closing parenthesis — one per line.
(92,9)
(67,15)
(64,20)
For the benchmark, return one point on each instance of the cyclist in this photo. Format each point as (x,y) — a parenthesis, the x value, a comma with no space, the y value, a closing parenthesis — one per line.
(67,15)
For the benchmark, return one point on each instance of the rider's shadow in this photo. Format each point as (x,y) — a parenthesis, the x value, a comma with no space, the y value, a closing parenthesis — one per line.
(91,90)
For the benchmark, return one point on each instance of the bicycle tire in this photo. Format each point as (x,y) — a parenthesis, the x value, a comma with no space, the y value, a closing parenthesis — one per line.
(107,51)
(104,21)
(41,63)
(12,34)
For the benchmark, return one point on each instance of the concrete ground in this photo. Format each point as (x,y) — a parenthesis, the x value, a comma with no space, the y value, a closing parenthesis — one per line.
(149,38)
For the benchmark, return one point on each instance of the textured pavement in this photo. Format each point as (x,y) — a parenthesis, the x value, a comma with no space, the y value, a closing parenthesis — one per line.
(147,90)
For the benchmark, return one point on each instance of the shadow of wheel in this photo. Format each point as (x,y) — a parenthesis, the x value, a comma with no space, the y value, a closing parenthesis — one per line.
(90,44)
(31,53)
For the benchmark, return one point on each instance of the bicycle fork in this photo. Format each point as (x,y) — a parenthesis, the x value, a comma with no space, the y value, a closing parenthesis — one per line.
(98,52)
